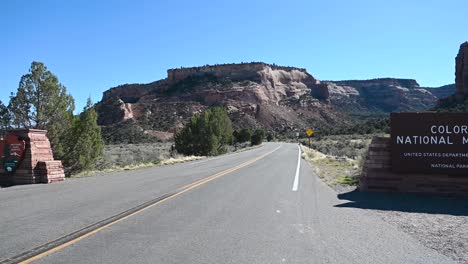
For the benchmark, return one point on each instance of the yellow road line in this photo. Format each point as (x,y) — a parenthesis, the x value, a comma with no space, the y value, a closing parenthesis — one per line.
(179,192)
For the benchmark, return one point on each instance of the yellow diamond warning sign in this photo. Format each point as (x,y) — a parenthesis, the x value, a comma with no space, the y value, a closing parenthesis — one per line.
(309,132)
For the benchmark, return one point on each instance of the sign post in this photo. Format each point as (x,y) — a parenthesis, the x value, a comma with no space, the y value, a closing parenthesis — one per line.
(309,133)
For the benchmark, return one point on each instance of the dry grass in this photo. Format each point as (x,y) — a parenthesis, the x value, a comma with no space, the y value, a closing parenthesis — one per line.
(133,155)
(180,159)
(124,157)
(332,170)
(168,161)
(348,146)
(312,154)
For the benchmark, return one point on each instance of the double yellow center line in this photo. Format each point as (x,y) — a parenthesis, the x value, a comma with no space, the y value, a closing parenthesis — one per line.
(71,238)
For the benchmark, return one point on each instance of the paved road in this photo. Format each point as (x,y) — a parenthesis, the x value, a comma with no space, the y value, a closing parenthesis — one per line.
(244,214)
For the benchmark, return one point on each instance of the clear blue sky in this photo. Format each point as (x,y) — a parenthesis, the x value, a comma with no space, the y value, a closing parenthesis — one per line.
(94,45)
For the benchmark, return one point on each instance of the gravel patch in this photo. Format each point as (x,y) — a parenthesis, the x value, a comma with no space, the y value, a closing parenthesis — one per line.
(447,234)
(439,223)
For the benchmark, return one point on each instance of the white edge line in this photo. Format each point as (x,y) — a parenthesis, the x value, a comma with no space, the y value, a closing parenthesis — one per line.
(296,178)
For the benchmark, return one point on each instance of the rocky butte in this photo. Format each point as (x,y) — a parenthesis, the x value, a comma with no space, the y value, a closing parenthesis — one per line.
(257,94)
(461,78)
(461,71)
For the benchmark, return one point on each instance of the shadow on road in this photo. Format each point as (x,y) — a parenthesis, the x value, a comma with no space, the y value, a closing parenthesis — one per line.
(412,203)
(5,184)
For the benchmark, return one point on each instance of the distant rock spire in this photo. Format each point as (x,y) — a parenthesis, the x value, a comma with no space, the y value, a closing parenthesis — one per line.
(461,72)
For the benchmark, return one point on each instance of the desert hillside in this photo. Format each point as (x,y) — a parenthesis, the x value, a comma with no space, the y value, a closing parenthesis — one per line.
(280,99)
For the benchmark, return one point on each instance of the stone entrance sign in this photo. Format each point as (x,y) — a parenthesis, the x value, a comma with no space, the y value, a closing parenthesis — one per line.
(26,157)
(12,148)
(429,143)
(426,153)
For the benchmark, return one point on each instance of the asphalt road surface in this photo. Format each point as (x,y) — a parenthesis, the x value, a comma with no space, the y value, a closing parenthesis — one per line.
(255,206)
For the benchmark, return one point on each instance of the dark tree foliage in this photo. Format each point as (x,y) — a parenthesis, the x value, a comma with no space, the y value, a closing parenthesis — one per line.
(41,102)
(86,144)
(270,137)
(206,134)
(452,107)
(257,137)
(5,118)
(243,135)
(235,136)
(201,80)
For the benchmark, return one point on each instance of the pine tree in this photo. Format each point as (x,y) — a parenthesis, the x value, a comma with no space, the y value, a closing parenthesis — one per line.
(88,144)
(5,117)
(41,102)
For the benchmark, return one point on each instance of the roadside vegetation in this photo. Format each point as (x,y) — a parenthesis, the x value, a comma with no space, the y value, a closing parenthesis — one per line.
(206,134)
(120,157)
(133,155)
(345,146)
(337,159)
(210,133)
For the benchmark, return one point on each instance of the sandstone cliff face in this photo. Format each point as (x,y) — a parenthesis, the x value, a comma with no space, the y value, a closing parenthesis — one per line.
(269,83)
(255,95)
(408,83)
(130,93)
(235,72)
(382,95)
(443,91)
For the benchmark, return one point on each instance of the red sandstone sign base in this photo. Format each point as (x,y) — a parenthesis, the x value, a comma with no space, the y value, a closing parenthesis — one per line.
(38,164)
(377,175)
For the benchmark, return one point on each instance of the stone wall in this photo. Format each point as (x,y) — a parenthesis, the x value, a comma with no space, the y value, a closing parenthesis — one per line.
(50,171)
(38,165)
(377,175)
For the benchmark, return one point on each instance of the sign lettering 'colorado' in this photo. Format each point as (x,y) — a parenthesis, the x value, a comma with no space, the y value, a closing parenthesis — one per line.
(430,142)
(440,135)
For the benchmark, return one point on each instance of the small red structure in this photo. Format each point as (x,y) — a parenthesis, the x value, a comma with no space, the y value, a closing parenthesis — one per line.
(26,157)
(12,148)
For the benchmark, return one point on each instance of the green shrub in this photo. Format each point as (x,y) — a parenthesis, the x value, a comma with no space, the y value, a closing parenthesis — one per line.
(206,134)
(243,135)
(270,137)
(257,137)
(86,144)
